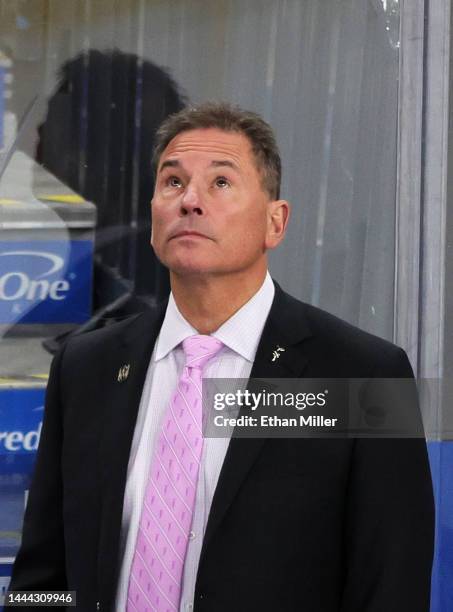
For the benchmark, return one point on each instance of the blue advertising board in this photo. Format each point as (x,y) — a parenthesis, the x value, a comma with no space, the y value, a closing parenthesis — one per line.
(45,281)
(441,459)
(6,566)
(21,414)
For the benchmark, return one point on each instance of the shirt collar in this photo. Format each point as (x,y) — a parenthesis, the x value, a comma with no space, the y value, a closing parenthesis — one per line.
(241,332)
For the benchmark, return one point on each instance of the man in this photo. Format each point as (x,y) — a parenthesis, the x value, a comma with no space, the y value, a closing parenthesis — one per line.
(320,525)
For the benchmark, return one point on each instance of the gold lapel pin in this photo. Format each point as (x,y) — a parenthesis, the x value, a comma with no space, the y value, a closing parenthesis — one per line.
(123,372)
(276,353)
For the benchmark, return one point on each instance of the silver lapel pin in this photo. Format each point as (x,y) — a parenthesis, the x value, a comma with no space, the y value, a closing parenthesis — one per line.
(276,352)
(123,372)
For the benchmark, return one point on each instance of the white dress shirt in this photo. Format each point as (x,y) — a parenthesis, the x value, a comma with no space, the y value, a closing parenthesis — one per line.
(240,335)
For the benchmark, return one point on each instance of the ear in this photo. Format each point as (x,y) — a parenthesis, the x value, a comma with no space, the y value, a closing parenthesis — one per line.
(277,220)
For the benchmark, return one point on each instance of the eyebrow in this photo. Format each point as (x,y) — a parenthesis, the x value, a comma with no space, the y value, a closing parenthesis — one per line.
(217,163)
(225,162)
(170,163)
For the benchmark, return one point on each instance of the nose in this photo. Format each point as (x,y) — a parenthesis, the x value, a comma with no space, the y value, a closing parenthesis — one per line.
(191,202)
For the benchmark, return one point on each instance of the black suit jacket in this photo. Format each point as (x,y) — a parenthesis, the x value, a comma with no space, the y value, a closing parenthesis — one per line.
(326,525)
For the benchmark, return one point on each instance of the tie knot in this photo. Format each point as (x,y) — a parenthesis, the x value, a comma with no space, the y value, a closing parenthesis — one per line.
(200,349)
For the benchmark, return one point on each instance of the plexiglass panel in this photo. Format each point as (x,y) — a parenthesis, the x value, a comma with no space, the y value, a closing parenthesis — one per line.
(83,87)
(325,74)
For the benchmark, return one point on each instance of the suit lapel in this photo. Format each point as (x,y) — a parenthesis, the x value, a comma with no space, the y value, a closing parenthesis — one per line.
(128,364)
(286,328)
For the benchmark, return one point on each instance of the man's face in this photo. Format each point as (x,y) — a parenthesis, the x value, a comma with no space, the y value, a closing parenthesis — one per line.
(210,213)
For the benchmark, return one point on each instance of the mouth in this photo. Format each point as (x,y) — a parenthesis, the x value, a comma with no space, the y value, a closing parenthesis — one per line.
(188,234)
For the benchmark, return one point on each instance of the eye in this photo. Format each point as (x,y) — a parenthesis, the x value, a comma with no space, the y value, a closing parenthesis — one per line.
(173,181)
(222,182)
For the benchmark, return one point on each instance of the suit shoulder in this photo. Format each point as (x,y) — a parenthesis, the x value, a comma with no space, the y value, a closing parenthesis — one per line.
(104,334)
(325,323)
(85,356)
(349,342)
(100,343)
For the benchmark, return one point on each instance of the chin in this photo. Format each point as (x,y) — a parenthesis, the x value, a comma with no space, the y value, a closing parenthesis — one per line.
(189,268)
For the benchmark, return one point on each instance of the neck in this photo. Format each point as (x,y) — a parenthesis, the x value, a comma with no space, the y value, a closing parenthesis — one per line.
(206,303)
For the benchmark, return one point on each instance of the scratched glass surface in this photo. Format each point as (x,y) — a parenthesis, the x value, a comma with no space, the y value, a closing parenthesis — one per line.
(83,86)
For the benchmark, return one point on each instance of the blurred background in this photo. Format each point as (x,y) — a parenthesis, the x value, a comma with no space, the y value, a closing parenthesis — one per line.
(358,94)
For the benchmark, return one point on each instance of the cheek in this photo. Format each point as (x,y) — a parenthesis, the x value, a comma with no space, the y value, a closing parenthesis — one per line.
(157,231)
(256,224)
(246,235)
(158,217)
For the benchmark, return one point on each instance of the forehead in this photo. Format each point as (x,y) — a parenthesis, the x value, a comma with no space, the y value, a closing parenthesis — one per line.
(208,144)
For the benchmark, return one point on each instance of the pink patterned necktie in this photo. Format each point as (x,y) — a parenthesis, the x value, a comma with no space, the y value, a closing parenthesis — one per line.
(157,567)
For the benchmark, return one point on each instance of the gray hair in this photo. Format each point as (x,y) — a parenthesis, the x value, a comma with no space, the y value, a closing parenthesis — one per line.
(228,118)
